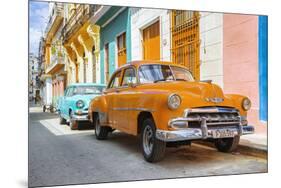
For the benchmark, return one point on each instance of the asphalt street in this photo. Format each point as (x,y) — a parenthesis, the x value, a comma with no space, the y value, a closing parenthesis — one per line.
(59,156)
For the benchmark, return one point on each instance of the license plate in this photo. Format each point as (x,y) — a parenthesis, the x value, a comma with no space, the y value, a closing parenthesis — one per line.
(222,133)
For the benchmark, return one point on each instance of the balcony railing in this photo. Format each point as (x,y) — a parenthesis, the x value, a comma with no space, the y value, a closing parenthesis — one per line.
(57,11)
(80,15)
(57,62)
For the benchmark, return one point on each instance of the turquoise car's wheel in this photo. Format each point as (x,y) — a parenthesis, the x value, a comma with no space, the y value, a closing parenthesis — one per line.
(62,120)
(153,149)
(73,124)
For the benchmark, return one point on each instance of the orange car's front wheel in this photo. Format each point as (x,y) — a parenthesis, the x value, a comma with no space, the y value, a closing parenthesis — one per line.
(153,149)
(101,132)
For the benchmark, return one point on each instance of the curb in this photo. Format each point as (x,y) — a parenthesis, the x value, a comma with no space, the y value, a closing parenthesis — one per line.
(241,149)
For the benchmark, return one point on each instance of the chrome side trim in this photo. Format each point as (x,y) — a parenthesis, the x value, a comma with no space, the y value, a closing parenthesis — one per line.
(133,109)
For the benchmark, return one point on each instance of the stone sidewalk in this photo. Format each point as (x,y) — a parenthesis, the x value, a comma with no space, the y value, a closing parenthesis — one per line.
(256,141)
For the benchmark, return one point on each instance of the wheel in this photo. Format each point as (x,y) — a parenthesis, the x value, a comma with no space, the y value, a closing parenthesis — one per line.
(62,120)
(52,109)
(101,132)
(44,108)
(73,124)
(227,144)
(153,149)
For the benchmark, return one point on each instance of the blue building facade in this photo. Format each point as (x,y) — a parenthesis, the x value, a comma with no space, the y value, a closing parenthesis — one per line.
(263,66)
(113,23)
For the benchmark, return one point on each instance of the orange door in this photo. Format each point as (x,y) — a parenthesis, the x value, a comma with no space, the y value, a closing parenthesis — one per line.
(151,42)
(122,53)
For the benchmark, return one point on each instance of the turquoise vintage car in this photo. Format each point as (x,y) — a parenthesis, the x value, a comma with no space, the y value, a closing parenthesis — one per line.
(73,106)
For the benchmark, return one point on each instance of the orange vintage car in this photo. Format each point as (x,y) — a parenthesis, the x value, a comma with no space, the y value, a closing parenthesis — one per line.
(161,102)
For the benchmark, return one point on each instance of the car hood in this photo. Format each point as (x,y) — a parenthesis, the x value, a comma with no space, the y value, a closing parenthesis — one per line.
(193,93)
(86,98)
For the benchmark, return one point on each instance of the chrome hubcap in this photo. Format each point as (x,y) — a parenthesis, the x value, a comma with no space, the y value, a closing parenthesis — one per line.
(147,140)
(97,127)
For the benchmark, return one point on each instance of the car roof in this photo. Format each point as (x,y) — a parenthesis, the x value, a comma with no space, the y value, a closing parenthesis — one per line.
(85,84)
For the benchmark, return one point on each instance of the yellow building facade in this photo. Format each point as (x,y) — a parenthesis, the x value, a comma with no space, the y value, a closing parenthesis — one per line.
(81,43)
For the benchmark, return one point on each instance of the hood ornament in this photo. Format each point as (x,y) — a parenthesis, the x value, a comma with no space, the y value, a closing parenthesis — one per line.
(214,100)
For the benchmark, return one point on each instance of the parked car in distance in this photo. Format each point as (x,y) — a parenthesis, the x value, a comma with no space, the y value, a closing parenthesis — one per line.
(161,102)
(73,106)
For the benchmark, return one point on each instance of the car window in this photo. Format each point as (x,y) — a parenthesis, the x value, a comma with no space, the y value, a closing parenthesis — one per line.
(182,74)
(115,82)
(86,90)
(154,73)
(129,77)
(69,92)
(66,91)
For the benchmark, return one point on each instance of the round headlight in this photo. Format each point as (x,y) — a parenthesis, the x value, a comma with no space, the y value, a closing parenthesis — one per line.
(246,104)
(80,104)
(174,101)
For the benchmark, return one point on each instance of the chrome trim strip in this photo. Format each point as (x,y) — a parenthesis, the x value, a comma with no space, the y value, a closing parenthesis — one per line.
(224,123)
(229,121)
(133,109)
(210,110)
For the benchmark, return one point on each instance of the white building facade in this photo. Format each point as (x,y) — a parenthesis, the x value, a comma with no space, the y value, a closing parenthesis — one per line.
(210,39)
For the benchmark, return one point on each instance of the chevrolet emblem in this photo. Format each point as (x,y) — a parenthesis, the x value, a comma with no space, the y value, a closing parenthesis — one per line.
(214,100)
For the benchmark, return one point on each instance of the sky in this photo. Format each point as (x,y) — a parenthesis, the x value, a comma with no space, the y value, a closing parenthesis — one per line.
(38,16)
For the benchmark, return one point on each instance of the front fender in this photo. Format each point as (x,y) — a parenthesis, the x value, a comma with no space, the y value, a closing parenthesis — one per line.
(97,104)
(237,100)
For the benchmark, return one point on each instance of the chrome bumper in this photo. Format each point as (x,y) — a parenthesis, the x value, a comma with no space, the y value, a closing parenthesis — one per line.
(196,133)
(81,116)
(208,122)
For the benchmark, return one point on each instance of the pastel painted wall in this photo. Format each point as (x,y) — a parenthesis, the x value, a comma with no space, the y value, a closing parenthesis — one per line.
(144,17)
(240,59)
(108,34)
(211,47)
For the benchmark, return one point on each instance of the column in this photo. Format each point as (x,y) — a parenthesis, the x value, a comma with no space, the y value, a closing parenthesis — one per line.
(88,61)
(70,67)
(79,62)
(94,33)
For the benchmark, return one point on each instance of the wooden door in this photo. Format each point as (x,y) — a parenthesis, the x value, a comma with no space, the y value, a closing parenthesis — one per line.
(151,42)
(121,47)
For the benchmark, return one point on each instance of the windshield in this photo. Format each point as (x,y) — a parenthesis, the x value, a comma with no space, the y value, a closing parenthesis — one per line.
(156,73)
(86,90)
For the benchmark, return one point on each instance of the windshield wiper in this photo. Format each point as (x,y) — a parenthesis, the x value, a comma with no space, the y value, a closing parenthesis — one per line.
(163,79)
(180,79)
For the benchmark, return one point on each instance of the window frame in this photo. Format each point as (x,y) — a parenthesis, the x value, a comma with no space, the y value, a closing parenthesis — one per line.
(113,78)
(123,75)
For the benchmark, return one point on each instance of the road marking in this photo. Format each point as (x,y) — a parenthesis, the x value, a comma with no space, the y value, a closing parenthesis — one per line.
(54,127)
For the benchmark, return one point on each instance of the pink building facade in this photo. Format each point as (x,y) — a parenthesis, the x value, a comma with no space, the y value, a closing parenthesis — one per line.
(245,63)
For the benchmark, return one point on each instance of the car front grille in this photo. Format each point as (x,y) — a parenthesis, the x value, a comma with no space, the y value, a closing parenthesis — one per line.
(215,117)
